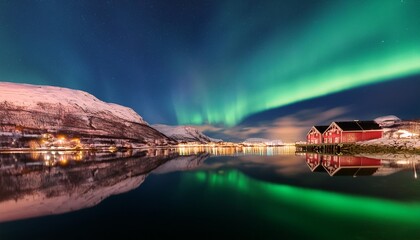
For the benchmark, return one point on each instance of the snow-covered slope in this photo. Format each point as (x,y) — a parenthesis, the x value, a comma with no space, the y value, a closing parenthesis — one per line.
(262,142)
(387,121)
(39,109)
(32,96)
(408,143)
(395,128)
(184,134)
(397,134)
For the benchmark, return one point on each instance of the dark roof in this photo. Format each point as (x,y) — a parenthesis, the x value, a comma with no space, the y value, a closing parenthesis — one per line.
(321,129)
(348,126)
(369,125)
(358,125)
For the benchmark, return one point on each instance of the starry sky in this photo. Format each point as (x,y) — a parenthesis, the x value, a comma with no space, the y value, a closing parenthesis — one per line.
(235,69)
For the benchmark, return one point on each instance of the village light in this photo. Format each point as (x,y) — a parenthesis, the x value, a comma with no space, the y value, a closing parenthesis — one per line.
(63,161)
(402,162)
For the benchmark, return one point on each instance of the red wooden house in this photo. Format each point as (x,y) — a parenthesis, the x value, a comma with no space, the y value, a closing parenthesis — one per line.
(314,135)
(352,131)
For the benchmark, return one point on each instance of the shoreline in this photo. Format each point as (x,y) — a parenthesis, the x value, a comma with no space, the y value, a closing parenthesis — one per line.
(380,149)
(356,148)
(117,149)
(339,148)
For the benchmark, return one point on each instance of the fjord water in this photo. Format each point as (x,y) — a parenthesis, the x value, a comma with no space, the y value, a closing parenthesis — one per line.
(254,193)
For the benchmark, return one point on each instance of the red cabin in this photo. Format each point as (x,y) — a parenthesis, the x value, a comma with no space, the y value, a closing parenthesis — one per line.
(353,131)
(314,136)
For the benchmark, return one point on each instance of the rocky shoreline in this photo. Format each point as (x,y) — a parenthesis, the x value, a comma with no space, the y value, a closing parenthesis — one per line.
(358,148)
(391,147)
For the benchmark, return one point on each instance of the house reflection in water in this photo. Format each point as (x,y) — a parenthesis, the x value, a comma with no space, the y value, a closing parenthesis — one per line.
(336,165)
(350,165)
(313,160)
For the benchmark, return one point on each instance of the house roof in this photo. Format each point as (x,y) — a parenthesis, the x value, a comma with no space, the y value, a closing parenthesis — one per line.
(358,125)
(348,126)
(321,129)
(369,125)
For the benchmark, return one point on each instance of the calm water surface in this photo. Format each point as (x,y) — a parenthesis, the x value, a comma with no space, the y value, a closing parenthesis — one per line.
(254,193)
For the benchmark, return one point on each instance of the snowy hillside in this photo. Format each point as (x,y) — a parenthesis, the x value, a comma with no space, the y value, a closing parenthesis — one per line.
(34,110)
(184,134)
(32,97)
(409,143)
(397,134)
(262,142)
(387,121)
(395,128)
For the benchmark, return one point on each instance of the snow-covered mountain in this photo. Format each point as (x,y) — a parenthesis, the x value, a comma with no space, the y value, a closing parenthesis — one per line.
(387,121)
(262,142)
(34,110)
(184,134)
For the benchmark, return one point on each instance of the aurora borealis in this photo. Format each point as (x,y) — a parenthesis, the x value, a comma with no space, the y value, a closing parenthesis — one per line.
(215,62)
(345,47)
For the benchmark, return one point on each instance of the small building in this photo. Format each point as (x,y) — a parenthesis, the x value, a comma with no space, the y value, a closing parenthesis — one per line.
(314,135)
(352,131)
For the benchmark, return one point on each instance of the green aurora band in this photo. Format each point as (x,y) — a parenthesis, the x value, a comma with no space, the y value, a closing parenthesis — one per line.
(344,45)
(295,207)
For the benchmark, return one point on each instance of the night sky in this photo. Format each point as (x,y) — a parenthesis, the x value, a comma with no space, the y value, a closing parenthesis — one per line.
(236,69)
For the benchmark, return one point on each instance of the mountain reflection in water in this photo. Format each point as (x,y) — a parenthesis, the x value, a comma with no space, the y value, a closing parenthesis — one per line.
(44,183)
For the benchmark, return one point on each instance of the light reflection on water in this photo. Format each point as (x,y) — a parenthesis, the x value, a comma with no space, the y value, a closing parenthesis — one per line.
(238,151)
(270,185)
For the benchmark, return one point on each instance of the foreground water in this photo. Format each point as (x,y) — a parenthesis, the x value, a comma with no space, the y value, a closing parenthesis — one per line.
(253,193)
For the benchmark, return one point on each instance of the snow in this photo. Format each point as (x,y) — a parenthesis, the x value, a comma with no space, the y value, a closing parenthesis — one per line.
(263,141)
(184,133)
(216,140)
(29,96)
(386,121)
(6,134)
(275,142)
(256,140)
(413,143)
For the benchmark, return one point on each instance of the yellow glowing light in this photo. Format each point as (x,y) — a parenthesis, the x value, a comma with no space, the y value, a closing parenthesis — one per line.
(112,149)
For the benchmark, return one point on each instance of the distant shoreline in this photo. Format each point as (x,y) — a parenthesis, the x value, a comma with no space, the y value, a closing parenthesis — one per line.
(120,149)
